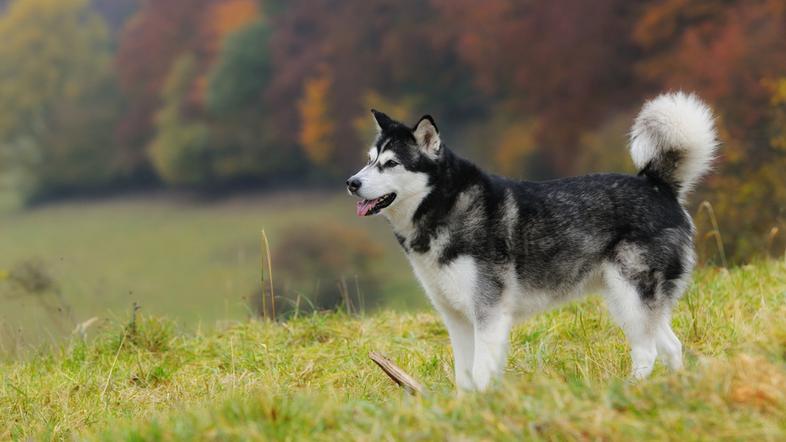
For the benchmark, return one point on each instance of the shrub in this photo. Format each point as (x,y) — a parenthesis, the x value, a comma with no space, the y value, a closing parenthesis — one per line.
(31,279)
(323,267)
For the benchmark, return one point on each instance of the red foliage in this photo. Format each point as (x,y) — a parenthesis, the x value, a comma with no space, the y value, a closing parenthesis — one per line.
(565,60)
(722,50)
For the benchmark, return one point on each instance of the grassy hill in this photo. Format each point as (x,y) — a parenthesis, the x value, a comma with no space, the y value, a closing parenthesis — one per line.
(310,377)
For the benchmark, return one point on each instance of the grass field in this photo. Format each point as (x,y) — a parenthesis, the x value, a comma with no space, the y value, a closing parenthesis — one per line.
(310,377)
(193,261)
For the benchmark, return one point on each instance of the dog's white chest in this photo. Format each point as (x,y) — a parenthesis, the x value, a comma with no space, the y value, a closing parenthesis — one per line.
(450,285)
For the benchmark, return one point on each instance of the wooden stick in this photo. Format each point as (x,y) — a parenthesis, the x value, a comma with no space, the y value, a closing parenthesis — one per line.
(398,375)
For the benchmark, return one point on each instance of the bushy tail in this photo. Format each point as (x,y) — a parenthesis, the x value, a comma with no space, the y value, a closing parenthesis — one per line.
(673,139)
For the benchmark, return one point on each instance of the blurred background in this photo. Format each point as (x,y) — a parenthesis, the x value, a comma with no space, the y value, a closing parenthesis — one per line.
(145,144)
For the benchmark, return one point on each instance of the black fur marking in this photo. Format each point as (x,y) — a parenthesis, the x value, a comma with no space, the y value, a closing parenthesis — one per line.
(384,122)
(402,242)
(662,169)
(430,119)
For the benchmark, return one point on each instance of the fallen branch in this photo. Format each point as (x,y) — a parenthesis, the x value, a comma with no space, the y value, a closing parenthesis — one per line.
(398,375)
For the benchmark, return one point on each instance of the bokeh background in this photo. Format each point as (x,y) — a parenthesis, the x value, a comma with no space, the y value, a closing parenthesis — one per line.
(145,144)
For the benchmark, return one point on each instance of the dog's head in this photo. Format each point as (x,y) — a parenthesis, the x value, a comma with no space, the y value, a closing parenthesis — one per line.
(399,164)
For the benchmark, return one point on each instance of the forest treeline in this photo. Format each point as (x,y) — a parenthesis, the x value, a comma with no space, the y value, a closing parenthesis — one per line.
(212,95)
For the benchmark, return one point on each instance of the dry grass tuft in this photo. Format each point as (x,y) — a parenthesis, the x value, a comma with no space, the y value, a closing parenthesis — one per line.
(757,383)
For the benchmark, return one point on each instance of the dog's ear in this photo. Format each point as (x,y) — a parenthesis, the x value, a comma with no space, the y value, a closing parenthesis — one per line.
(382,121)
(427,136)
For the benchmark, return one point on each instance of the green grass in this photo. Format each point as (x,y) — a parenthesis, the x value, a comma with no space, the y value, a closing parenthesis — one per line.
(195,261)
(310,378)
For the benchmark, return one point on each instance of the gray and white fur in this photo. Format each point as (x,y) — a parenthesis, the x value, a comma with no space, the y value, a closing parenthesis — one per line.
(491,251)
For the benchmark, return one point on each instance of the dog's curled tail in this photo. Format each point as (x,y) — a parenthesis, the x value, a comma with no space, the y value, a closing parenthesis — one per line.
(673,139)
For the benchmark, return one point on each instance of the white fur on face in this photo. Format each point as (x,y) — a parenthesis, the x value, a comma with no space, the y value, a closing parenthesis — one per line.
(376,183)
(386,156)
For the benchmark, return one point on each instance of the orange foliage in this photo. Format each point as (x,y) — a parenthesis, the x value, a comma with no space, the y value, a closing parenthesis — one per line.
(221,19)
(552,85)
(562,60)
(517,142)
(227,16)
(317,128)
(721,50)
(732,54)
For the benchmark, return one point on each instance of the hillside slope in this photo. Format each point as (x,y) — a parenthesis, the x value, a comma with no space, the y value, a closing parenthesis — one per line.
(311,378)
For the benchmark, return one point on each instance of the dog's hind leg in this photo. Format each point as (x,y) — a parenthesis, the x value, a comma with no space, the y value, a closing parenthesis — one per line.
(638,321)
(669,346)
(462,340)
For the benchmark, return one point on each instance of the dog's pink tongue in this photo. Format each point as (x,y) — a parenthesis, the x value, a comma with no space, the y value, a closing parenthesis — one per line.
(365,205)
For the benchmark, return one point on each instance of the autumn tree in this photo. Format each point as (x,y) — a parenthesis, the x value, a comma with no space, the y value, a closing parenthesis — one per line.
(732,54)
(565,62)
(56,96)
(402,62)
(225,17)
(242,72)
(222,92)
(180,151)
(249,143)
(226,138)
(159,33)
(318,128)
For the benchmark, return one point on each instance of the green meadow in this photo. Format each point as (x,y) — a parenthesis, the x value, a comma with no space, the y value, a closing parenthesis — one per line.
(146,378)
(195,261)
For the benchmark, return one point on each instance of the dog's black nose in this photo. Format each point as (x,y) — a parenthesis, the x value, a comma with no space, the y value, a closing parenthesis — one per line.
(353,184)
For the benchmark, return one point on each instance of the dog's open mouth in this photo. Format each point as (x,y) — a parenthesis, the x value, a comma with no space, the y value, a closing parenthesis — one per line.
(371,207)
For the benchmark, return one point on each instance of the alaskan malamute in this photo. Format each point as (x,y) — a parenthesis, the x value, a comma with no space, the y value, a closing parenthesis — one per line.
(490,251)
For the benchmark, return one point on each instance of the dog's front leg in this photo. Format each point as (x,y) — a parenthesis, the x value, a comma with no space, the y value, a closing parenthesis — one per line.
(462,339)
(491,348)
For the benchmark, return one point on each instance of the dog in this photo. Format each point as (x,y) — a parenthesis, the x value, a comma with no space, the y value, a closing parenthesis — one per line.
(491,251)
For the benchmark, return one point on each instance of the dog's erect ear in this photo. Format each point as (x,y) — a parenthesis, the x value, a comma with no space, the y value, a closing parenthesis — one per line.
(383,121)
(427,136)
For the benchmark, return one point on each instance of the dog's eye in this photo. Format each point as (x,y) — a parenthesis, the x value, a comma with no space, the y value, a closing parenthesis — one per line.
(391,163)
